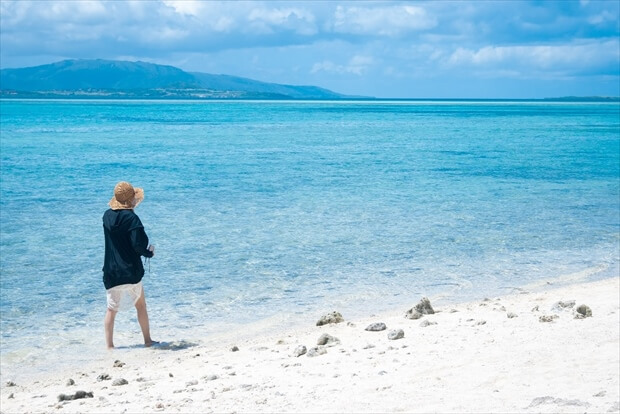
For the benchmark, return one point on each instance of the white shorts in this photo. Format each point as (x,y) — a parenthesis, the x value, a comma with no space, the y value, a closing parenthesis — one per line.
(123,295)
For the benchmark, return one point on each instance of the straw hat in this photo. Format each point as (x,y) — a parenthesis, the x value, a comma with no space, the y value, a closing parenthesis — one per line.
(126,197)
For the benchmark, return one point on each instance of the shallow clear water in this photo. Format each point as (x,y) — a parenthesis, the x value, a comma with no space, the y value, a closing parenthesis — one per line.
(260,208)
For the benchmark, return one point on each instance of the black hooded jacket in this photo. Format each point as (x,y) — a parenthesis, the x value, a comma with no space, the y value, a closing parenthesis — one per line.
(125,243)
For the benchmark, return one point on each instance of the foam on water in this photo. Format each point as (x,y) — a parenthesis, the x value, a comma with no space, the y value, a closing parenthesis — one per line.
(283,210)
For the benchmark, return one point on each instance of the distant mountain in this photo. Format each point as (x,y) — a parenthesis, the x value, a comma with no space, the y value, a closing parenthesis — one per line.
(95,74)
(121,79)
(233,83)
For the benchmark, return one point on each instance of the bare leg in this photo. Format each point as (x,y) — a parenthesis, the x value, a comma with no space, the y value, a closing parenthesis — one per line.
(108,324)
(143,320)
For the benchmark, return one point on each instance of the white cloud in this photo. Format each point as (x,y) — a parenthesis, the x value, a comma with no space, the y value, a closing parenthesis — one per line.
(239,18)
(280,16)
(270,20)
(186,7)
(585,54)
(223,24)
(602,18)
(326,66)
(27,13)
(357,65)
(370,43)
(359,60)
(166,34)
(384,21)
(76,11)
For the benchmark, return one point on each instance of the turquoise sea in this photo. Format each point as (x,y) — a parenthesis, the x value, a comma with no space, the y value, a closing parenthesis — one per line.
(264,208)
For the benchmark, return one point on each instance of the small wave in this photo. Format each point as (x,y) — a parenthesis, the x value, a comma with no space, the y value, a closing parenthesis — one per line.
(575,277)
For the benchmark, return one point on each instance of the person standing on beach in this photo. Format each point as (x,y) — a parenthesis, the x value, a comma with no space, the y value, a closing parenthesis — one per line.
(125,244)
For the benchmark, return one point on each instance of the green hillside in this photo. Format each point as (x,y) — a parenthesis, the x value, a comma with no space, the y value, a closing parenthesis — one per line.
(106,78)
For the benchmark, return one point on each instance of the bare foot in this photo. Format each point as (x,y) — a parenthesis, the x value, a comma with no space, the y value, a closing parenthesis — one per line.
(150,343)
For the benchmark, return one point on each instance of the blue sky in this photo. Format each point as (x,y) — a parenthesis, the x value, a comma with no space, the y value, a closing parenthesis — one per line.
(420,49)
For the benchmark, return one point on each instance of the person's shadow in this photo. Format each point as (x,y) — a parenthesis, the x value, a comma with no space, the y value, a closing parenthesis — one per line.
(164,345)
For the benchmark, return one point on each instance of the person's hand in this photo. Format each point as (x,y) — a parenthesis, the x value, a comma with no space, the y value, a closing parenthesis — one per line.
(152,249)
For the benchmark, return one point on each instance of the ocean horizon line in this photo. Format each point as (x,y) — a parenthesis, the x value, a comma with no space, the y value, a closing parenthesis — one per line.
(568,99)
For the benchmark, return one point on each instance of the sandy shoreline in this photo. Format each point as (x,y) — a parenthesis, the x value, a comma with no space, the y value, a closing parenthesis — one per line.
(484,356)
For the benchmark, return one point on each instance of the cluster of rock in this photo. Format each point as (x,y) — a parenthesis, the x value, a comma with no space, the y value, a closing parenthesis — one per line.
(580,312)
(325,340)
(107,377)
(380,326)
(101,377)
(423,308)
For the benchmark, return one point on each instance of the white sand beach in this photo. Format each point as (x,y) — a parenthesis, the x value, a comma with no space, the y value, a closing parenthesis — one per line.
(494,355)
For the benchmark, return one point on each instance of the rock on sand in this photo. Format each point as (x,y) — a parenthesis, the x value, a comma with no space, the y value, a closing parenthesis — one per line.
(300,350)
(78,395)
(333,317)
(376,327)
(421,309)
(583,311)
(396,334)
(327,339)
